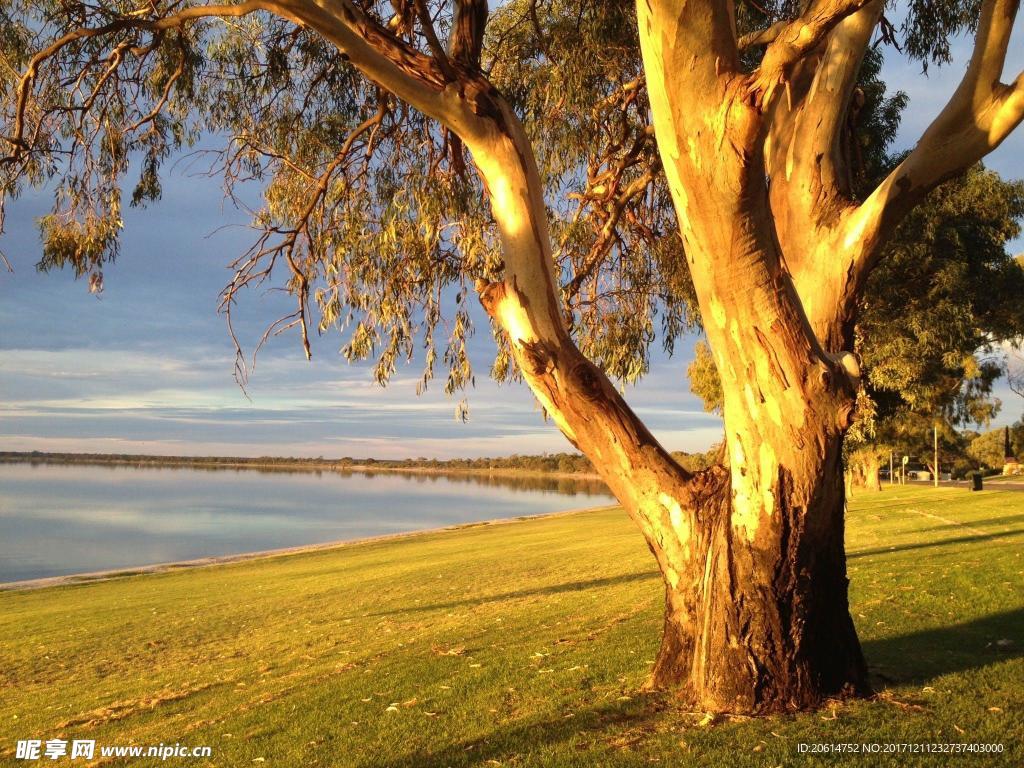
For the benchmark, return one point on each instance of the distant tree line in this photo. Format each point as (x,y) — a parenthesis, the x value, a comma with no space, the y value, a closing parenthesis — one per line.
(561,463)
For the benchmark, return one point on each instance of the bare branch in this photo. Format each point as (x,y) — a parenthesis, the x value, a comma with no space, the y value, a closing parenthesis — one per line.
(427,24)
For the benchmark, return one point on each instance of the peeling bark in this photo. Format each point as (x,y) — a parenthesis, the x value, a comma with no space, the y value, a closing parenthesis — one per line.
(758,621)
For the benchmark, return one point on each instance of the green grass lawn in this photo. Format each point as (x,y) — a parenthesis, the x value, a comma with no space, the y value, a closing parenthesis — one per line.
(521,644)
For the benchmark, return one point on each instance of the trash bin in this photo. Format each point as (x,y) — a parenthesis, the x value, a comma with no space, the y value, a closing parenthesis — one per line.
(976,481)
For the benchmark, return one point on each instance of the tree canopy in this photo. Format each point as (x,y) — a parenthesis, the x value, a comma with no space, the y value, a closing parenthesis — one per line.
(369,216)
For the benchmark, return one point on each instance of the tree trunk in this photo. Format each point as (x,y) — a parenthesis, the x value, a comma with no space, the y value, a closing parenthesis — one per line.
(752,557)
(871,478)
(757,618)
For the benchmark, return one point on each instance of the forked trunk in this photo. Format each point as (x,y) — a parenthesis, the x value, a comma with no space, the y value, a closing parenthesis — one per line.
(757,618)
(752,557)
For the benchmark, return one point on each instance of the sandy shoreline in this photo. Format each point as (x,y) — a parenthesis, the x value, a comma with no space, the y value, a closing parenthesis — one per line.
(119,573)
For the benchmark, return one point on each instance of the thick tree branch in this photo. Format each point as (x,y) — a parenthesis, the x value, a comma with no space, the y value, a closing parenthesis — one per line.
(794,41)
(825,111)
(467,37)
(809,171)
(981,113)
(390,62)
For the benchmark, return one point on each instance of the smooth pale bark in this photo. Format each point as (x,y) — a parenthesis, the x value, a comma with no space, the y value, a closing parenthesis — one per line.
(763,623)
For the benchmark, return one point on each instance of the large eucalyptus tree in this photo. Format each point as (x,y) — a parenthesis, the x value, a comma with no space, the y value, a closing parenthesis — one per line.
(582,121)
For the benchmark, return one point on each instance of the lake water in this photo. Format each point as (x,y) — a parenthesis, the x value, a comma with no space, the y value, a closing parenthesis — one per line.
(57,520)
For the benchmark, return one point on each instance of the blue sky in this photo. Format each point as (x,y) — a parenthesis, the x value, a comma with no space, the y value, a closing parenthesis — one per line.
(147,366)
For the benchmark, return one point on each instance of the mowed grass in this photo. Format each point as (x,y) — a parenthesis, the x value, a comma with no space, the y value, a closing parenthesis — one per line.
(520,644)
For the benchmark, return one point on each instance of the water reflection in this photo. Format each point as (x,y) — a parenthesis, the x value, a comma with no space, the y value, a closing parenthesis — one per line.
(63,519)
(561,484)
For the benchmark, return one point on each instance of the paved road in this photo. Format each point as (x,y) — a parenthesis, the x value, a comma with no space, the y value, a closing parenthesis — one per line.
(999,485)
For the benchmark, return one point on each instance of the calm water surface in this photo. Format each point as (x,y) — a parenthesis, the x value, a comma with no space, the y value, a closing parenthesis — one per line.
(59,520)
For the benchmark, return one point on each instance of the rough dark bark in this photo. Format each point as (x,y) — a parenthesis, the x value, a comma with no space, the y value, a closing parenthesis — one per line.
(763,625)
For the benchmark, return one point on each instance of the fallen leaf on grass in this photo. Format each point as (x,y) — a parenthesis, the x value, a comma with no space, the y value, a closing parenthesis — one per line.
(455,650)
(908,705)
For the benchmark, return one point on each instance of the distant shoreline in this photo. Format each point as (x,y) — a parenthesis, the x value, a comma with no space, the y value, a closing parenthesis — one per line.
(285,464)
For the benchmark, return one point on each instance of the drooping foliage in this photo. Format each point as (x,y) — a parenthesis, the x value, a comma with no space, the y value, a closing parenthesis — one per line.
(369,216)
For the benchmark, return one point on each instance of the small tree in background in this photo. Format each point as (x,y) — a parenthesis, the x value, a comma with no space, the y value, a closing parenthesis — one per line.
(945,298)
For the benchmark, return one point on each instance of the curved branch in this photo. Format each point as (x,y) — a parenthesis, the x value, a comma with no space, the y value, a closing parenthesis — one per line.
(981,113)
(794,40)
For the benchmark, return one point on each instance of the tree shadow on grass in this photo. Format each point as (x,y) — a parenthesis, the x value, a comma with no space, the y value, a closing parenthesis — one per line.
(599,730)
(612,725)
(973,539)
(920,656)
(1004,520)
(553,589)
